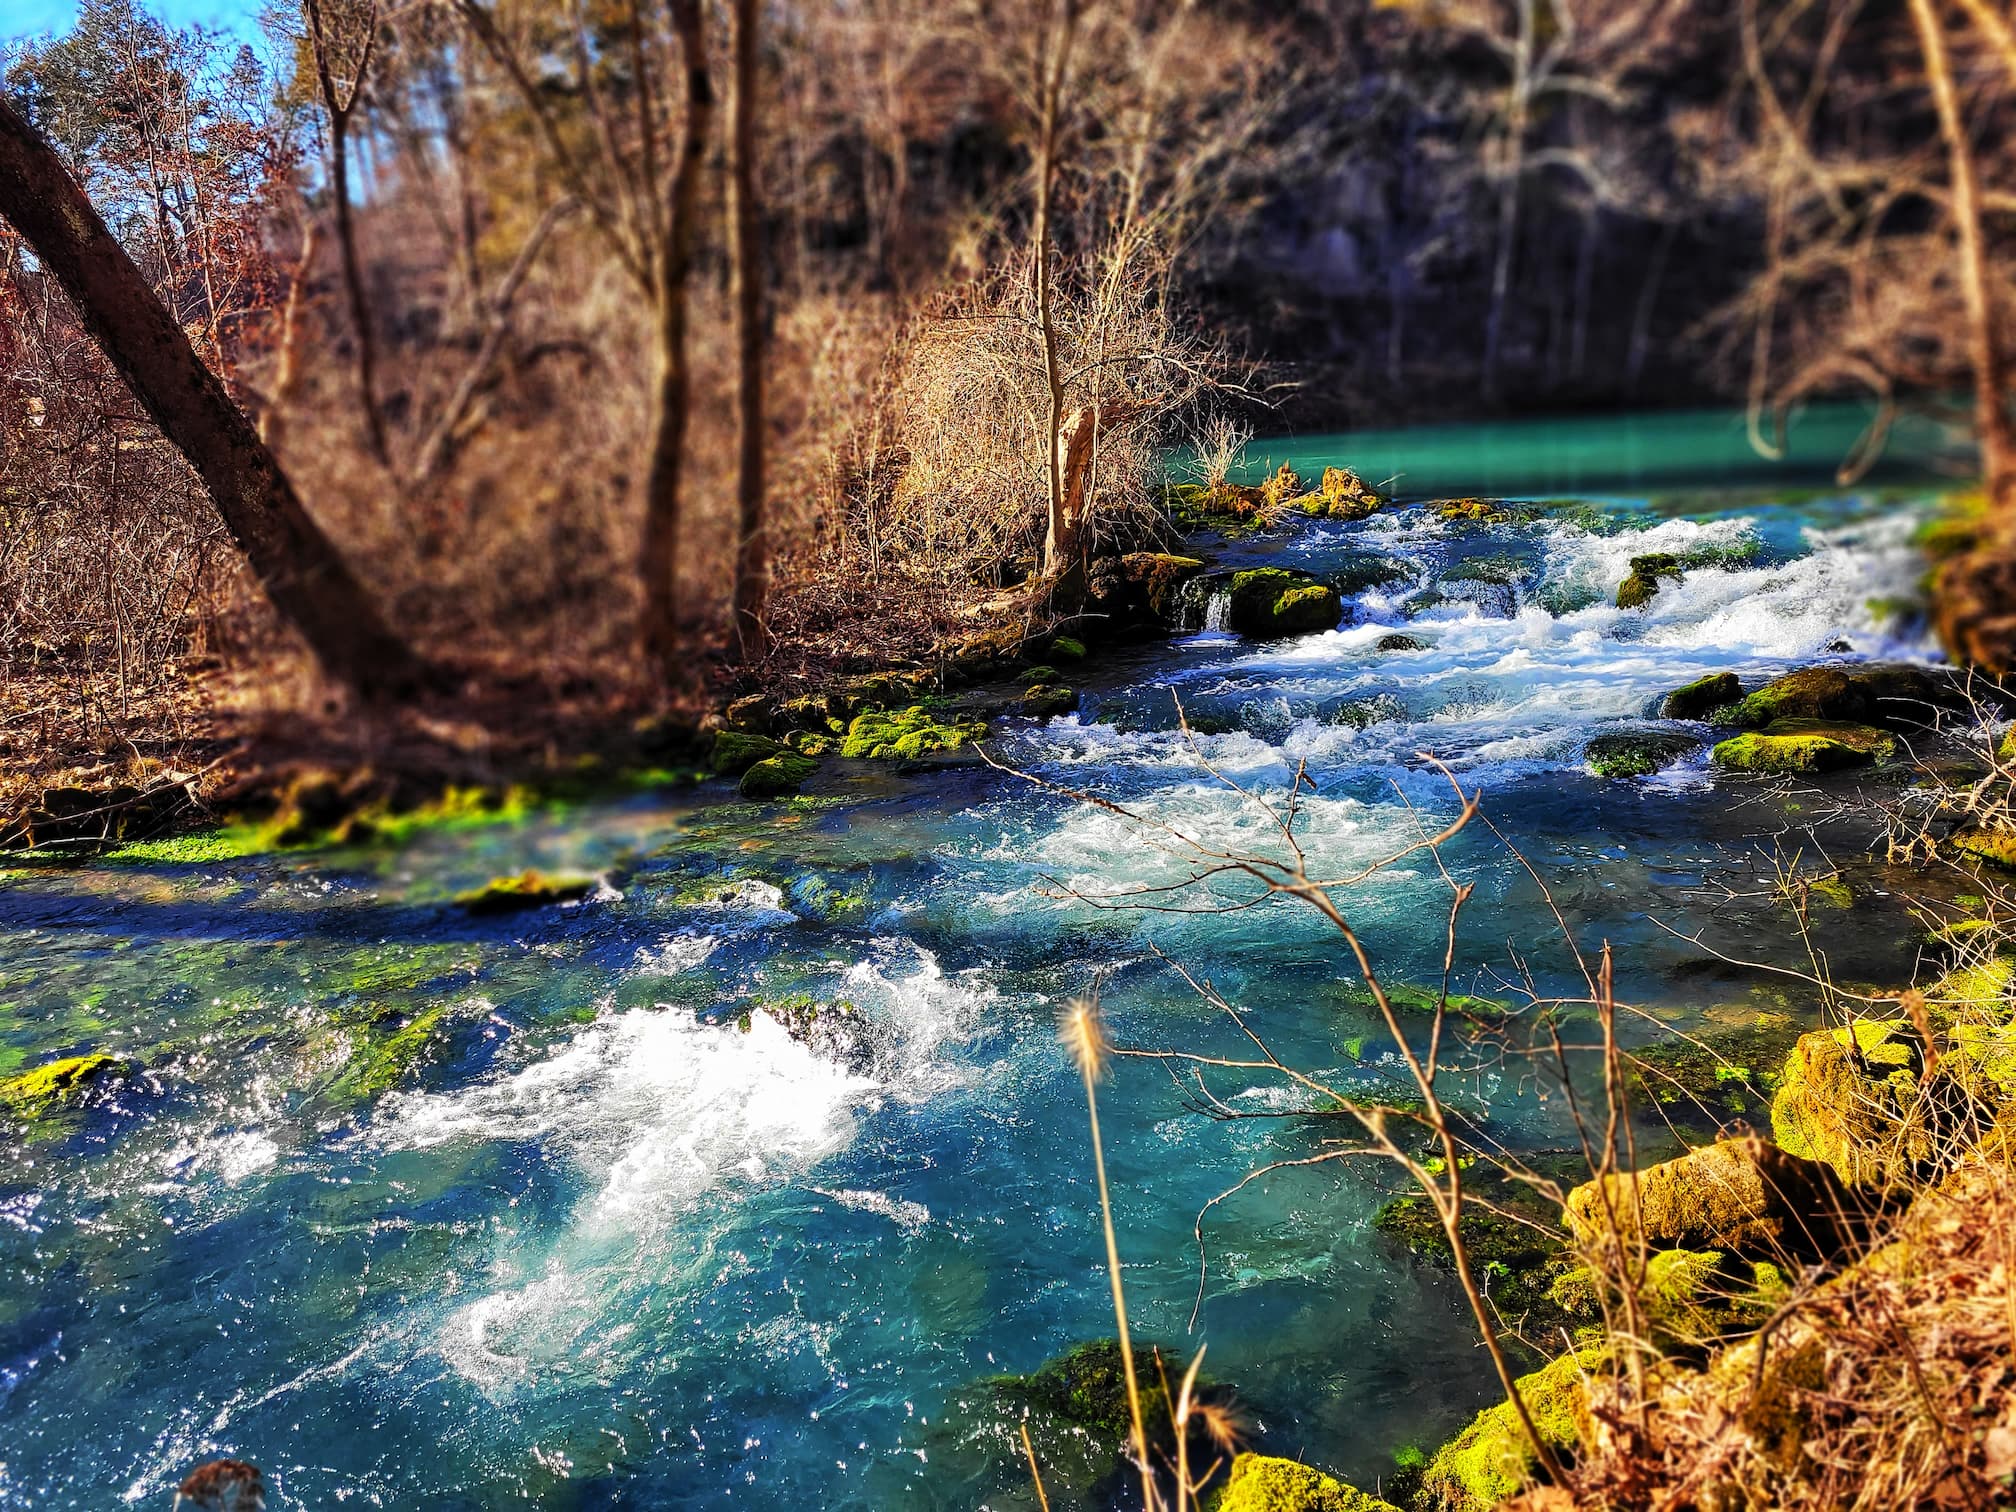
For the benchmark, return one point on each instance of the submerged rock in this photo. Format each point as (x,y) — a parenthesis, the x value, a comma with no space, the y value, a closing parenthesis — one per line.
(1368,569)
(531,888)
(1267,602)
(782,774)
(1740,1194)
(1399,642)
(1637,753)
(1261,1483)
(1702,697)
(1891,693)
(1787,746)
(880,735)
(57,1083)
(1995,846)
(1492,1458)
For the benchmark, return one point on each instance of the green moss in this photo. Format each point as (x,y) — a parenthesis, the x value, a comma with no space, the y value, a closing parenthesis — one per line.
(1715,1077)
(56,1083)
(1068,648)
(777,776)
(1507,571)
(204,847)
(1809,693)
(735,751)
(1804,746)
(1365,570)
(1741,1195)
(1482,512)
(1036,675)
(1702,697)
(531,888)
(384,1051)
(1259,1483)
(901,736)
(1848,1097)
(1086,1387)
(1637,753)
(1271,601)
(1492,1459)
(1997,847)
(1045,700)
(1638,589)
(1341,495)
(1513,1243)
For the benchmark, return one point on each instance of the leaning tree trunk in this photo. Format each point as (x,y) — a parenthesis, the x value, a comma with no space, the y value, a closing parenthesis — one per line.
(658,555)
(752,542)
(301,572)
(1976,592)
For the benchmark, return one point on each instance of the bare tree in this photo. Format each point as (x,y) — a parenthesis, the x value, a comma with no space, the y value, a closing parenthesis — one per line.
(752,544)
(301,572)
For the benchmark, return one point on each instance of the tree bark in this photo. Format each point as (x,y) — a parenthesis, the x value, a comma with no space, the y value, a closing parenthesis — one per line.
(658,555)
(308,582)
(1057,542)
(752,542)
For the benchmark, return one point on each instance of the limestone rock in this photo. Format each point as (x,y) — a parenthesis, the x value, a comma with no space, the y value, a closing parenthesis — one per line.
(1739,1194)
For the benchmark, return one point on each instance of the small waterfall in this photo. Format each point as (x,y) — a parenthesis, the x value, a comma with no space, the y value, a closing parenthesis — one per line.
(1201,604)
(1217,608)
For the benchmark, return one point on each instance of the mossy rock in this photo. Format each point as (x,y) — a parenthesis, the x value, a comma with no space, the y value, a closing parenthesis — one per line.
(1687,1299)
(1363,713)
(1482,511)
(1642,585)
(1341,495)
(1068,647)
(1365,570)
(1157,575)
(1492,1459)
(1637,753)
(735,751)
(1855,1098)
(1045,700)
(57,1084)
(905,735)
(780,775)
(1702,697)
(1268,602)
(383,1052)
(1997,847)
(531,888)
(1788,747)
(1713,1078)
(1741,1195)
(1409,998)
(1400,642)
(1809,693)
(1037,675)
(1516,1253)
(1261,1483)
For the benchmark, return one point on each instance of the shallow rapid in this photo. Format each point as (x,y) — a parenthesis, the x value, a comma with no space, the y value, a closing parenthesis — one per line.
(415,1209)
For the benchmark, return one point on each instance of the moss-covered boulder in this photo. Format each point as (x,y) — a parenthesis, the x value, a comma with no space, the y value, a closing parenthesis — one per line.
(1742,1195)
(1492,1459)
(1809,693)
(1267,602)
(1261,1483)
(782,774)
(1481,512)
(1788,747)
(735,751)
(1849,1097)
(1362,571)
(1997,847)
(905,735)
(1687,1299)
(1647,572)
(1154,578)
(1046,699)
(1637,753)
(531,888)
(1702,697)
(57,1084)
(1341,495)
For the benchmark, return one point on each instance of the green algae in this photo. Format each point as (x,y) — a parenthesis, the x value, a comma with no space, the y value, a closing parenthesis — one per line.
(530,888)
(1703,697)
(57,1083)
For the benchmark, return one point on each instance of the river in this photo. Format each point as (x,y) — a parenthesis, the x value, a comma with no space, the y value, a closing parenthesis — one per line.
(569,1235)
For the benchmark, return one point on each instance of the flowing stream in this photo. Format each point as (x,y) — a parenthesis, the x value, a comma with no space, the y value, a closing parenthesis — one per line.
(419,1210)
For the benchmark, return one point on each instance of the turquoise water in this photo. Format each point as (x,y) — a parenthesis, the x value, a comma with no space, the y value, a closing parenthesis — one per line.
(418,1210)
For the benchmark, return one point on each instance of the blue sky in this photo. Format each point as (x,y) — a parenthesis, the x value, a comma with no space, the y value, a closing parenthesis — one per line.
(25,18)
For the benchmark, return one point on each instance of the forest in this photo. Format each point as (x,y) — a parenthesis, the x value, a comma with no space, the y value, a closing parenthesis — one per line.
(610,610)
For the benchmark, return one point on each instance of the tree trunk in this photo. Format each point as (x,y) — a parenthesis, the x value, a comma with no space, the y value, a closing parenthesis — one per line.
(301,572)
(1514,170)
(658,555)
(752,542)
(1058,540)
(1975,595)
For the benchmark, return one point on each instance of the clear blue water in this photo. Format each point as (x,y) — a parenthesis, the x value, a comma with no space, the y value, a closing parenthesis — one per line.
(598,1246)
